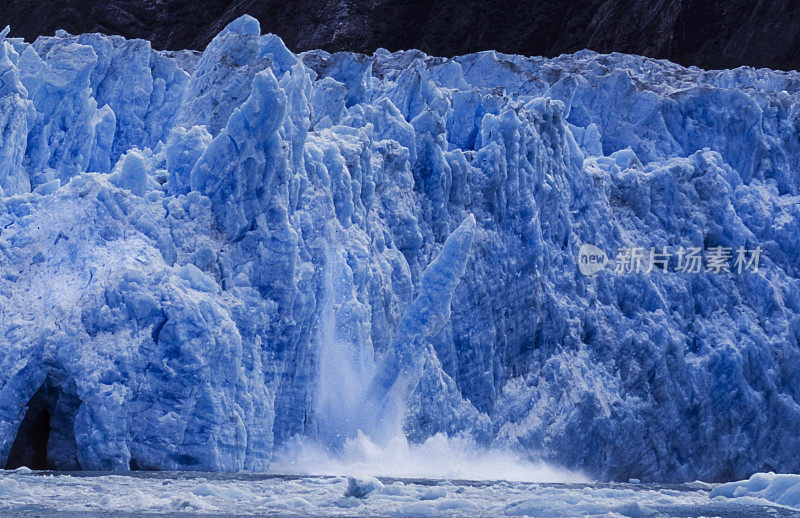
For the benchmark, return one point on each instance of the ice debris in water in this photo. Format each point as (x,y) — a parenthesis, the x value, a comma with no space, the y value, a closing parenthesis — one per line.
(777,488)
(168,221)
(361,487)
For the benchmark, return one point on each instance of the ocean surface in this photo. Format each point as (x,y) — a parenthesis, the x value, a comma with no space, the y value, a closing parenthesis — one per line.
(84,494)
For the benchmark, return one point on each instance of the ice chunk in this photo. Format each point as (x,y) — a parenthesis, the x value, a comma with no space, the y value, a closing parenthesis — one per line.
(778,488)
(197,279)
(16,118)
(360,487)
(222,79)
(238,169)
(429,311)
(131,173)
(183,150)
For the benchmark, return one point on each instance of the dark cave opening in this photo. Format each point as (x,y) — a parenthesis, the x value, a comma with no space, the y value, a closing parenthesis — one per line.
(45,439)
(30,445)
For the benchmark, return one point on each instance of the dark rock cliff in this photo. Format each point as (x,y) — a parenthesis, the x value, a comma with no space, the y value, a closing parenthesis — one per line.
(707,33)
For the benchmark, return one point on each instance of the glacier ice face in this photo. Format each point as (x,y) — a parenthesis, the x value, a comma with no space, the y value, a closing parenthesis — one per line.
(184,240)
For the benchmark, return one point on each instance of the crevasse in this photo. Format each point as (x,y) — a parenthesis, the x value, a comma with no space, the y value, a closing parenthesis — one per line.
(167,220)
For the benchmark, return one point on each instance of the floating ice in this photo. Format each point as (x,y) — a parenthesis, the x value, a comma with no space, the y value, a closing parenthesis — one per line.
(780,489)
(253,495)
(361,487)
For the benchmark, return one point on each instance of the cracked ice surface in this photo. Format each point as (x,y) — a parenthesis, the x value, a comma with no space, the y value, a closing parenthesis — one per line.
(183,237)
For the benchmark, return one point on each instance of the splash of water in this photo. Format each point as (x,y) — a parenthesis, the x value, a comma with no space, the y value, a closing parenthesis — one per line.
(439,457)
(360,434)
(341,396)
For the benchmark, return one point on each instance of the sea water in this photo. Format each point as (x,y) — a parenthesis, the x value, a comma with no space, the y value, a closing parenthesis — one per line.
(85,494)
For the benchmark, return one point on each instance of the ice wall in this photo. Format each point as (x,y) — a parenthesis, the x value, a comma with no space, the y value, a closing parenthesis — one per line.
(169,223)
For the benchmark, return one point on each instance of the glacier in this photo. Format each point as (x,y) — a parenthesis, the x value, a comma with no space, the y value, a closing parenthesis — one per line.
(206,255)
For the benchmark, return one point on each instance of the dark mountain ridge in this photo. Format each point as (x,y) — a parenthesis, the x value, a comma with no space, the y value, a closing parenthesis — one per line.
(706,33)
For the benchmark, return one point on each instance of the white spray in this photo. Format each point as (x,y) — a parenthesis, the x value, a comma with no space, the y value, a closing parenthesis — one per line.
(359,433)
(344,368)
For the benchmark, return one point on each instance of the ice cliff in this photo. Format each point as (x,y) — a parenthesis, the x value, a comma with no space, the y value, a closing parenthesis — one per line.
(189,243)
